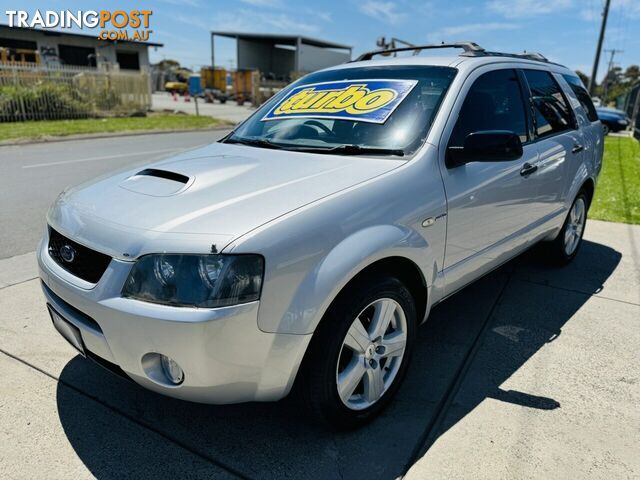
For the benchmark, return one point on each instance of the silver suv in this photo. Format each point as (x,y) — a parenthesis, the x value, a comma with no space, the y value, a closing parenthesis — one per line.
(303,250)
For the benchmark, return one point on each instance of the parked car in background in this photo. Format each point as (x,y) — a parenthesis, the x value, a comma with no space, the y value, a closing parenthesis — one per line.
(612,119)
(302,251)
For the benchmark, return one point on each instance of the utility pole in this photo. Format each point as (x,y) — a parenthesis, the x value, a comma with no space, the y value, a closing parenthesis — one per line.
(607,81)
(594,72)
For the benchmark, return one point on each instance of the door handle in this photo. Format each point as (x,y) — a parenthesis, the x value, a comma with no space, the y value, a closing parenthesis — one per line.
(528,169)
(577,148)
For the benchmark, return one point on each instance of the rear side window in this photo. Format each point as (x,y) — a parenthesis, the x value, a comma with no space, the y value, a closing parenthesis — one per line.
(552,113)
(494,102)
(583,96)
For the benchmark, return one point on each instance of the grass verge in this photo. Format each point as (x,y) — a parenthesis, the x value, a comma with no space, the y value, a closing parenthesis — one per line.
(61,128)
(617,196)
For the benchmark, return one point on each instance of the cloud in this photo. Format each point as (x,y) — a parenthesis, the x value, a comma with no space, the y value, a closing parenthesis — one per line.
(246,21)
(193,21)
(477,28)
(381,10)
(631,8)
(243,20)
(182,3)
(626,8)
(263,3)
(589,14)
(467,31)
(527,8)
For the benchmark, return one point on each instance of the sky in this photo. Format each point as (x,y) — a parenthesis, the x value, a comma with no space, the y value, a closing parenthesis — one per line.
(564,31)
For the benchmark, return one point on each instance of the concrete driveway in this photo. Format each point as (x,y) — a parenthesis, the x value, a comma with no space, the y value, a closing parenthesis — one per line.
(532,372)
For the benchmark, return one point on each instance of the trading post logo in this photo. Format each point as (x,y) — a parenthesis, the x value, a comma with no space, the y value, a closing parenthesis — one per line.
(360,100)
(114,25)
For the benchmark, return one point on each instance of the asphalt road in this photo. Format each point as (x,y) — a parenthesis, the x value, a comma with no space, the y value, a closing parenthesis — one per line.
(33,175)
(228,111)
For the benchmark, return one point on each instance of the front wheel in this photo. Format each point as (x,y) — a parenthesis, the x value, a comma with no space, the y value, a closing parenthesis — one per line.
(360,352)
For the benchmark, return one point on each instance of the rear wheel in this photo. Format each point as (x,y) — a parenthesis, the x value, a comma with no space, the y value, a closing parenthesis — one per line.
(566,245)
(360,352)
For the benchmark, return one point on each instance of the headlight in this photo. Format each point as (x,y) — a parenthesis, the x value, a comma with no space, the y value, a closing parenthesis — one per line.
(622,121)
(206,281)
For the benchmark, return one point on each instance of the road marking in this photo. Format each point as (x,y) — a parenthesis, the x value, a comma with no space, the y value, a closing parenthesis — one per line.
(105,157)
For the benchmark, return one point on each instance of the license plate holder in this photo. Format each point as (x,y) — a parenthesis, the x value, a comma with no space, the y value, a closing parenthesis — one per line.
(70,332)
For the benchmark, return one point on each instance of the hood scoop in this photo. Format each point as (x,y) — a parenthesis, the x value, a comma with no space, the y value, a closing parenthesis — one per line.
(157,183)
(154,172)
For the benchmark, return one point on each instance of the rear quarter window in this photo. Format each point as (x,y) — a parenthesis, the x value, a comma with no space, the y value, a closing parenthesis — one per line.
(552,113)
(583,96)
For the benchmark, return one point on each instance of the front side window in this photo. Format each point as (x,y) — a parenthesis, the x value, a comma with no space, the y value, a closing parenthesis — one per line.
(583,96)
(494,102)
(552,113)
(384,110)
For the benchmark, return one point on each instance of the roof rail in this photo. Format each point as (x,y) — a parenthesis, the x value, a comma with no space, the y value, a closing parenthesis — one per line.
(538,57)
(468,47)
(535,56)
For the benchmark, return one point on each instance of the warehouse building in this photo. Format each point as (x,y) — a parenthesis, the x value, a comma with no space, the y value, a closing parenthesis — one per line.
(277,56)
(64,48)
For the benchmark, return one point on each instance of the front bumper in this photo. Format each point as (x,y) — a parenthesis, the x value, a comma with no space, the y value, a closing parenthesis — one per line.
(225,356)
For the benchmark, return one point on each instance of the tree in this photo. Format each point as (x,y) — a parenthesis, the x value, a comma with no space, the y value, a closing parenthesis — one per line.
(617,83)
(632,74)
(167,64)
(613,84)
(583,77)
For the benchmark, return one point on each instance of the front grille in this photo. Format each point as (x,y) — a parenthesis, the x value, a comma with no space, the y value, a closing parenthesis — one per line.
(77,259)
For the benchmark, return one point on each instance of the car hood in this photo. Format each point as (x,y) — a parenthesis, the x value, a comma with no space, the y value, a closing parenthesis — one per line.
(212,194)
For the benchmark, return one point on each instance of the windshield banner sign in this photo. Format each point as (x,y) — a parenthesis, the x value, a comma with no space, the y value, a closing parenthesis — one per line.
(356,100)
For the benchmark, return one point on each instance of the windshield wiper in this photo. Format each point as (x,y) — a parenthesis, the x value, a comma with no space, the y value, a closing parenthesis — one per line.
(346,149)
(254,142)
(350,149)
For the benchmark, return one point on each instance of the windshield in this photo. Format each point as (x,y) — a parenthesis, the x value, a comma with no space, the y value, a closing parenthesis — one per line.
(385,110)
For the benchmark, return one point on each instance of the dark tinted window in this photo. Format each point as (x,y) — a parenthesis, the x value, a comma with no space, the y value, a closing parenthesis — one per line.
(128,60)
(72,55)
(583,96)
(551,111)
(494,102)
(15,43)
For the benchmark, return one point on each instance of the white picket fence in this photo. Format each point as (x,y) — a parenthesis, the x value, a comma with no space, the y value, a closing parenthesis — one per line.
(38,92)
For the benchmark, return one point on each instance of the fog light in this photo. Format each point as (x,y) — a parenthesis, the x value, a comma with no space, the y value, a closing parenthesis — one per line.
(171,369)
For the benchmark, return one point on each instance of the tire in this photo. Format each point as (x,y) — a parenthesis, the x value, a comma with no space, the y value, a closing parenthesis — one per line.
(334,360)
(560,250)
(606,129)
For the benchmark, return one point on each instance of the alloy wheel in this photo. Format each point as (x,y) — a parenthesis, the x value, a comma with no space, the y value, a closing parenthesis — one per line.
(371,354)
(575,226)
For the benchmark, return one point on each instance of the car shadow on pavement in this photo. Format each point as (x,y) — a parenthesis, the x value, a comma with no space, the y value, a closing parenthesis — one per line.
(526,305)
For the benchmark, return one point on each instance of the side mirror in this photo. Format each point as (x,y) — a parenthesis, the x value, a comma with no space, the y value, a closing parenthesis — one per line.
(486,146)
